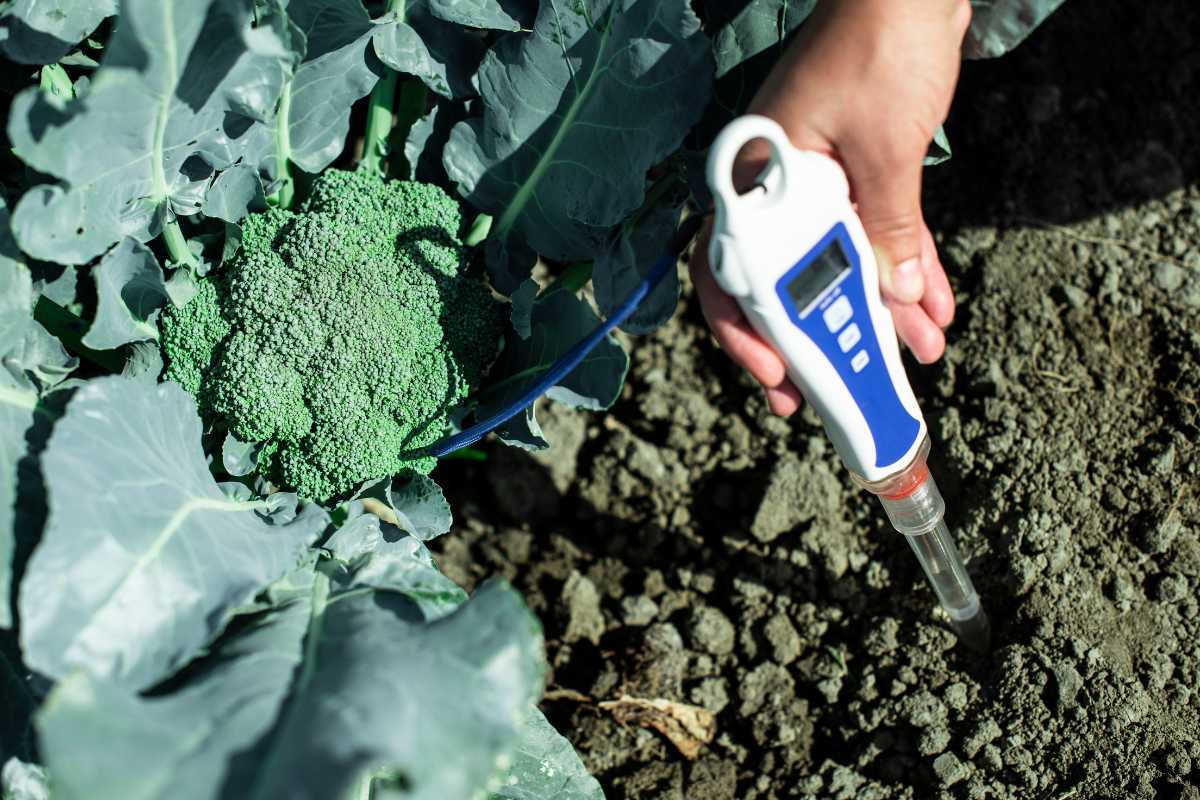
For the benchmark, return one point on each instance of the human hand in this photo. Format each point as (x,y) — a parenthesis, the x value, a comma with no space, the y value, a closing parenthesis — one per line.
(867,82)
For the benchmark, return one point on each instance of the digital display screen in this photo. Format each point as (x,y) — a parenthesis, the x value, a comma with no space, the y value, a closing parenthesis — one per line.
(822,270)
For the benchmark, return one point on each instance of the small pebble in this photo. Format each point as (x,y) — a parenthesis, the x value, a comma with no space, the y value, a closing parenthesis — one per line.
(710,630)
(1168,276)
(949,769)
(638,610)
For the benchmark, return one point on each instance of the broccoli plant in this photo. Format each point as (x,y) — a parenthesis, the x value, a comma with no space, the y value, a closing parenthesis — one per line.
(340,335)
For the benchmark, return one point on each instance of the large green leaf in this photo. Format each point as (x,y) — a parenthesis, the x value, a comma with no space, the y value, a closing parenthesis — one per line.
(180,92)
(500,15)
(556,320)
(344,679)
(342,52)
(336,71)
(144,557)
(759,26)
(18,399)
(30,361)
(130,293)
(573,116)
(372,553)
(633,253)
(443,56)
(42,31)
(998,26)
(546,767)
(427,139)
(104,742)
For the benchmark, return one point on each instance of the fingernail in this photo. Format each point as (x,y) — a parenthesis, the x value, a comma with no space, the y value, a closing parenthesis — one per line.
(907,282)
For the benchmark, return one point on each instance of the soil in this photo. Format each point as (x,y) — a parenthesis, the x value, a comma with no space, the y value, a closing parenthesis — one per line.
(690,547)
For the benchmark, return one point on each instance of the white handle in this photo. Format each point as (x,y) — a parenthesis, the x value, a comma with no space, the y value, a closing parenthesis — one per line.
(724,152)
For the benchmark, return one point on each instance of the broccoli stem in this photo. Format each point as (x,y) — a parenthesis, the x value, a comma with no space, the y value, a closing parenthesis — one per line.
(177,246)
(479,230)
(380,109)
(282,197)
(573,278)
(70,330)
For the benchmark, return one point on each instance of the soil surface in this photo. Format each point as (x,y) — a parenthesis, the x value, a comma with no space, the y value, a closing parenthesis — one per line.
(690,547)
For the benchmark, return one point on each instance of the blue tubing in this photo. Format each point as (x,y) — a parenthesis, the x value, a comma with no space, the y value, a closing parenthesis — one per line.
(560,368)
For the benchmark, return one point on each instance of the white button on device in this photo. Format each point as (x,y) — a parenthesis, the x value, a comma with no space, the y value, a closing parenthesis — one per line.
(838,312)
(849,337)
(859,361)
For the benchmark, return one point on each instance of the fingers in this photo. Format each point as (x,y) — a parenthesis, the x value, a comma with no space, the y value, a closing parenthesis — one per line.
(784,400)
(915,328)
(887,188)
(740,341)
(938,300)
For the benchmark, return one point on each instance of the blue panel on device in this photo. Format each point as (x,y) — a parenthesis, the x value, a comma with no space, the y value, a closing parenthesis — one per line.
(825,297)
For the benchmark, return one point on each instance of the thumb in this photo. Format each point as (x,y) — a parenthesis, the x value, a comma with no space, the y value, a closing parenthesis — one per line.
(888,196)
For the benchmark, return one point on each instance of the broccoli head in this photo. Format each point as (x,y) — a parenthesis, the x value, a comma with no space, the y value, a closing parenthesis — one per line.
(341,335)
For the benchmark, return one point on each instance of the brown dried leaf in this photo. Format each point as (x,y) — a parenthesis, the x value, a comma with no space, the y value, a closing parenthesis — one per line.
(687,727)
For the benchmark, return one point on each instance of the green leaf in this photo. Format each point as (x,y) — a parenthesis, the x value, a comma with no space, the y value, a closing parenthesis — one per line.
(22,781)
(307,698)
(997,27)
(748,39)
(235,193)
(16,288)
(103,742)
(31,360)
(546,767)
(557,320)
(441,55)
(632,254)
(42,31)
(239,458)
(939,148)
(54,79)
(131,582)
(573,116)
(498,15)
(337,70)
(167,109)
(130,294)
(375,554)
(521,313)
(427,140)
(18,404)
(420,507)
(758,26)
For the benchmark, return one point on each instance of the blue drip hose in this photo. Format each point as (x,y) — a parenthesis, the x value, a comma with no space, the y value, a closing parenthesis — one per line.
(571,359)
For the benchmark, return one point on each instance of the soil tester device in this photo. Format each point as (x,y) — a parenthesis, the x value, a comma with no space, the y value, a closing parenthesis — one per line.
(794,254)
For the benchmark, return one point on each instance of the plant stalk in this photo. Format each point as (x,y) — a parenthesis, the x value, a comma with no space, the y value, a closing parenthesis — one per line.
(380,108)
(177,246)
(282,197)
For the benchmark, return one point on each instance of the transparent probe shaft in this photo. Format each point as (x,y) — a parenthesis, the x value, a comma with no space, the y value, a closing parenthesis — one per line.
(915,507)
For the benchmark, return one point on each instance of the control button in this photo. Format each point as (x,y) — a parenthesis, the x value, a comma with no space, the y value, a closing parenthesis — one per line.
(837,314)
(849,337)
(859,361)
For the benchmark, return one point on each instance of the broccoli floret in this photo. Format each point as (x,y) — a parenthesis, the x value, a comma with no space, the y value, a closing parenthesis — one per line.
(340,335)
